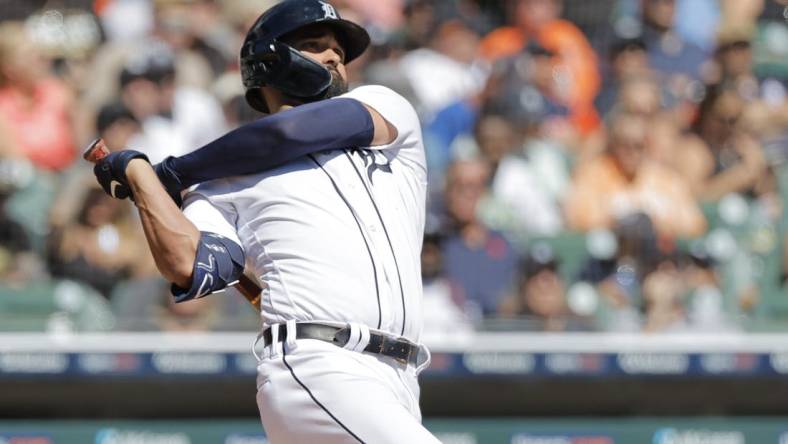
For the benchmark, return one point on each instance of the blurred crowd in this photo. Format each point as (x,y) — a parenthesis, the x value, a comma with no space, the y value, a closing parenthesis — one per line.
(616,165)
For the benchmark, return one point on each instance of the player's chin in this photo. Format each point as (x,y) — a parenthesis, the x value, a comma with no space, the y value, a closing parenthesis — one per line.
(337,87)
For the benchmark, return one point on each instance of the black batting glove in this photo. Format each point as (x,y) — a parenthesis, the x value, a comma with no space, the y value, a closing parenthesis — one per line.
(111,172)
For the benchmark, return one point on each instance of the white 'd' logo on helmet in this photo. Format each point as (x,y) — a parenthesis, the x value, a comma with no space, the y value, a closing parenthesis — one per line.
(329,11)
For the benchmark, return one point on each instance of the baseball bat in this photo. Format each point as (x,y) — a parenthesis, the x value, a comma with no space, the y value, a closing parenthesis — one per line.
(246,284)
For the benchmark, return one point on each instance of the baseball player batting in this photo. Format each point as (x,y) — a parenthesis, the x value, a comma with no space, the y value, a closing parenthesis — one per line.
(323,200)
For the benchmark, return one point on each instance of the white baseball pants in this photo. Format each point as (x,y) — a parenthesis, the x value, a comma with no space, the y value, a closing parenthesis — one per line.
(313,392)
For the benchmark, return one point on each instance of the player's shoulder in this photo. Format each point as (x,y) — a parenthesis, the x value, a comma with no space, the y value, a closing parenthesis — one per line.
(379,95)
(395,108)
(374,90)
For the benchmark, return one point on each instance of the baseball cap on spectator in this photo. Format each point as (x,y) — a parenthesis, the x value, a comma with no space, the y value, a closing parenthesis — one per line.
(625,44)
(155,63)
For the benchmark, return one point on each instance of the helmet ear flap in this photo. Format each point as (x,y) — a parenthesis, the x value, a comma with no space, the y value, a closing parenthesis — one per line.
(280,66)
(297,75)
(255,99)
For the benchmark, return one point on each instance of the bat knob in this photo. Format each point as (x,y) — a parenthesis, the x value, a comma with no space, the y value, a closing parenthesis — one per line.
(95,151)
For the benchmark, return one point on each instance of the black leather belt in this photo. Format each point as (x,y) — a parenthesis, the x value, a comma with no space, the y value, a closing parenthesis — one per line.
(402,350)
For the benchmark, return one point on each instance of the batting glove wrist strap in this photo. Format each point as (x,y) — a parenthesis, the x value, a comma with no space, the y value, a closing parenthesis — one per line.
(111,172)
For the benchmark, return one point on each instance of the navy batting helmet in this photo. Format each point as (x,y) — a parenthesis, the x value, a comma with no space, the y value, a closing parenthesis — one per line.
(265,60)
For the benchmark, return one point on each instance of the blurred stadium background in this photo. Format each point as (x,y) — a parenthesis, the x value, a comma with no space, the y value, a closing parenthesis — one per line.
(605,258)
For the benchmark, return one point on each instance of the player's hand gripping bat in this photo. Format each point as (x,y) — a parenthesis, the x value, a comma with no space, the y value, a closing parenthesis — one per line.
(246,284)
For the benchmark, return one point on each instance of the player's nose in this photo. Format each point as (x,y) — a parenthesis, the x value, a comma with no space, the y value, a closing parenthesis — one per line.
(331,58)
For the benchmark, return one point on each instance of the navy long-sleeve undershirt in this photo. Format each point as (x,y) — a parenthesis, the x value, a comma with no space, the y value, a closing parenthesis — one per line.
(272,141)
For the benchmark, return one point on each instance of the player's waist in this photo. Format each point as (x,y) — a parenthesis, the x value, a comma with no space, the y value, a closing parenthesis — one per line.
(351,337)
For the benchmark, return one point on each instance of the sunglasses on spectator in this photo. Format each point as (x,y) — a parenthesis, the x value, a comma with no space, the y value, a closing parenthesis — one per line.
(727,120)
(740,44)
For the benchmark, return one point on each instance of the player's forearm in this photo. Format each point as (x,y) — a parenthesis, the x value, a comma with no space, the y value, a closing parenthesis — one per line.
(171,236)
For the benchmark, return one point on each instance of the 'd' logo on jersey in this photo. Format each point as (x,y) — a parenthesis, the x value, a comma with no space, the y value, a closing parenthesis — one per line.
(374,161)
(329,11)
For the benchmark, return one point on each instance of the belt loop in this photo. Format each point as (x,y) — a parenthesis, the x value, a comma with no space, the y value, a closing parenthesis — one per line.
(363,340)
(428,358)
(290,341)
(254,345)
(274,340)
(355,336)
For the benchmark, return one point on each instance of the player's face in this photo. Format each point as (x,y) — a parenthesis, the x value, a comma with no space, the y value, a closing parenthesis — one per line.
(320,43)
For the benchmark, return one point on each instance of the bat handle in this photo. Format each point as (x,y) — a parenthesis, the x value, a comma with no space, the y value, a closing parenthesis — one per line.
(96,151)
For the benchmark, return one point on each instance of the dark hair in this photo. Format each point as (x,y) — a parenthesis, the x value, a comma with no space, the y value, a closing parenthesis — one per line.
(111,114)
(539,257)
(624,44)
(710,97)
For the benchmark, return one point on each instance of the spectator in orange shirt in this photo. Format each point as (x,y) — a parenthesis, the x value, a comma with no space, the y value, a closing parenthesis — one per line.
(35,117)
(625,181)
(576,61)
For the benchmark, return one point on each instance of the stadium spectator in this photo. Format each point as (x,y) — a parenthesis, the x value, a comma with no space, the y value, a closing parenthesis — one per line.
(617,267)
(627,59)
(444,310)
(175,119)
(524,86)
(445,71)
(634,243)
(663,290)
(101,246)
(18,262)
(735,65)
(420,18)
(479,261)
(639,96)
(35,107)
(625,181)
(117,126)
(679,60)
(719,157)
(541,297)
(521,201)
(203,44)
(230,95)
(706,306)
(734,60)
(576,66)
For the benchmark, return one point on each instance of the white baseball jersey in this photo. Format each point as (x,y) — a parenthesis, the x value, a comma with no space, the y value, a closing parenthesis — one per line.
(337,235)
